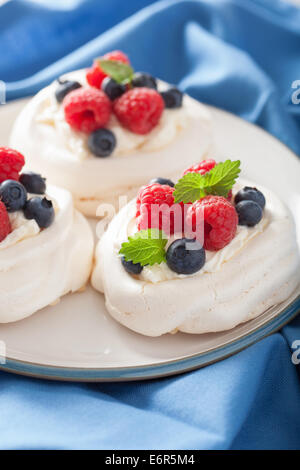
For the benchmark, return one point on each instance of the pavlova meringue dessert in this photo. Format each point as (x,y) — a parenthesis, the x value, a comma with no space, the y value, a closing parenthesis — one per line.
(46,247)
(103,132)
(202,256)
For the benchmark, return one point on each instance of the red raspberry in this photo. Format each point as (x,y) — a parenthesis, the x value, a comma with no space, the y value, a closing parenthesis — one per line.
(139,109)
(217,217)
(5,227)
(116,55)
(202,167)
(11,163)
(95,75)
(155,208)
(87,109)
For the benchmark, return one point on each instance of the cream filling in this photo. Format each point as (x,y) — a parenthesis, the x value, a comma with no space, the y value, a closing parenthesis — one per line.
(214,259)
(23,228)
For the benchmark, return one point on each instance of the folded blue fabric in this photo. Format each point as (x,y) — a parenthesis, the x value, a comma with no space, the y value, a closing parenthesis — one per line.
(240,55)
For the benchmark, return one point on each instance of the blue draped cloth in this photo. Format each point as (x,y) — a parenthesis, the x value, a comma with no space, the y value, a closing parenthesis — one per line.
(242,56)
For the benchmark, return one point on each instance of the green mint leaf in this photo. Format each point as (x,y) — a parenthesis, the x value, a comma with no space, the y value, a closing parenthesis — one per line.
(189,188)
(118,71)
(145,247)
(218,181)
(222,177)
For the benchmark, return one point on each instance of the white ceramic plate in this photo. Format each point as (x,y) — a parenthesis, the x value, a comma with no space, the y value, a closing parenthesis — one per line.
(78,340)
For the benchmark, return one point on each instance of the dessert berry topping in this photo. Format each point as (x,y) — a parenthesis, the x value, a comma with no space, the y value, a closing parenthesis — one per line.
(172,98)
(162,181)
(250,194)
(156,209)
(102,142)
(142,79)
(132,268)
(210,220)
(185,256)
(11,163)
(13,195)
(87,109)
(33,182)
(139,109)
(119,56)
(41,210)
(112,88)
(202,167)
(214,220)
(13,192)
(95,75)
(137,103)
(64,88)
(249,213)
(5,226)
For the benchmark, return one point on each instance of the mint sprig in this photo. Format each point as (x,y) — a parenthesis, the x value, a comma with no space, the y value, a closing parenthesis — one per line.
(218,181)
(118,71)
(146,247)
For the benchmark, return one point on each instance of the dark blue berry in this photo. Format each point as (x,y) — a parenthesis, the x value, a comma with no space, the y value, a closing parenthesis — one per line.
(33,182)
(141,79)
(249,212)
(41,210)
(112,89)
(185,256)
(13,195)
(162,181)
(64,87)
(102,142)
(172,97)
(132,268)
(250,194)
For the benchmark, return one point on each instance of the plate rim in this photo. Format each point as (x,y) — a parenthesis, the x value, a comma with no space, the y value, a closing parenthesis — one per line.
(153,371)
(165,368)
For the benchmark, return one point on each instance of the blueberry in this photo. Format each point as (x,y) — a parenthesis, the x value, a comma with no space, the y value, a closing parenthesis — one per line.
(13,195)
(141,79)
(185,256)
(33,182)
(64,87)
(112,89)
(41,210)
(132,268)
(250,194)
(102,142)
(162,181)
(249,212)
(172,97)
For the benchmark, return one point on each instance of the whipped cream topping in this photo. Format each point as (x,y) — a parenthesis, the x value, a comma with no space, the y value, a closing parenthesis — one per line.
(182,137)
(214,259)
(258,269)
(22,228)
(37,267)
